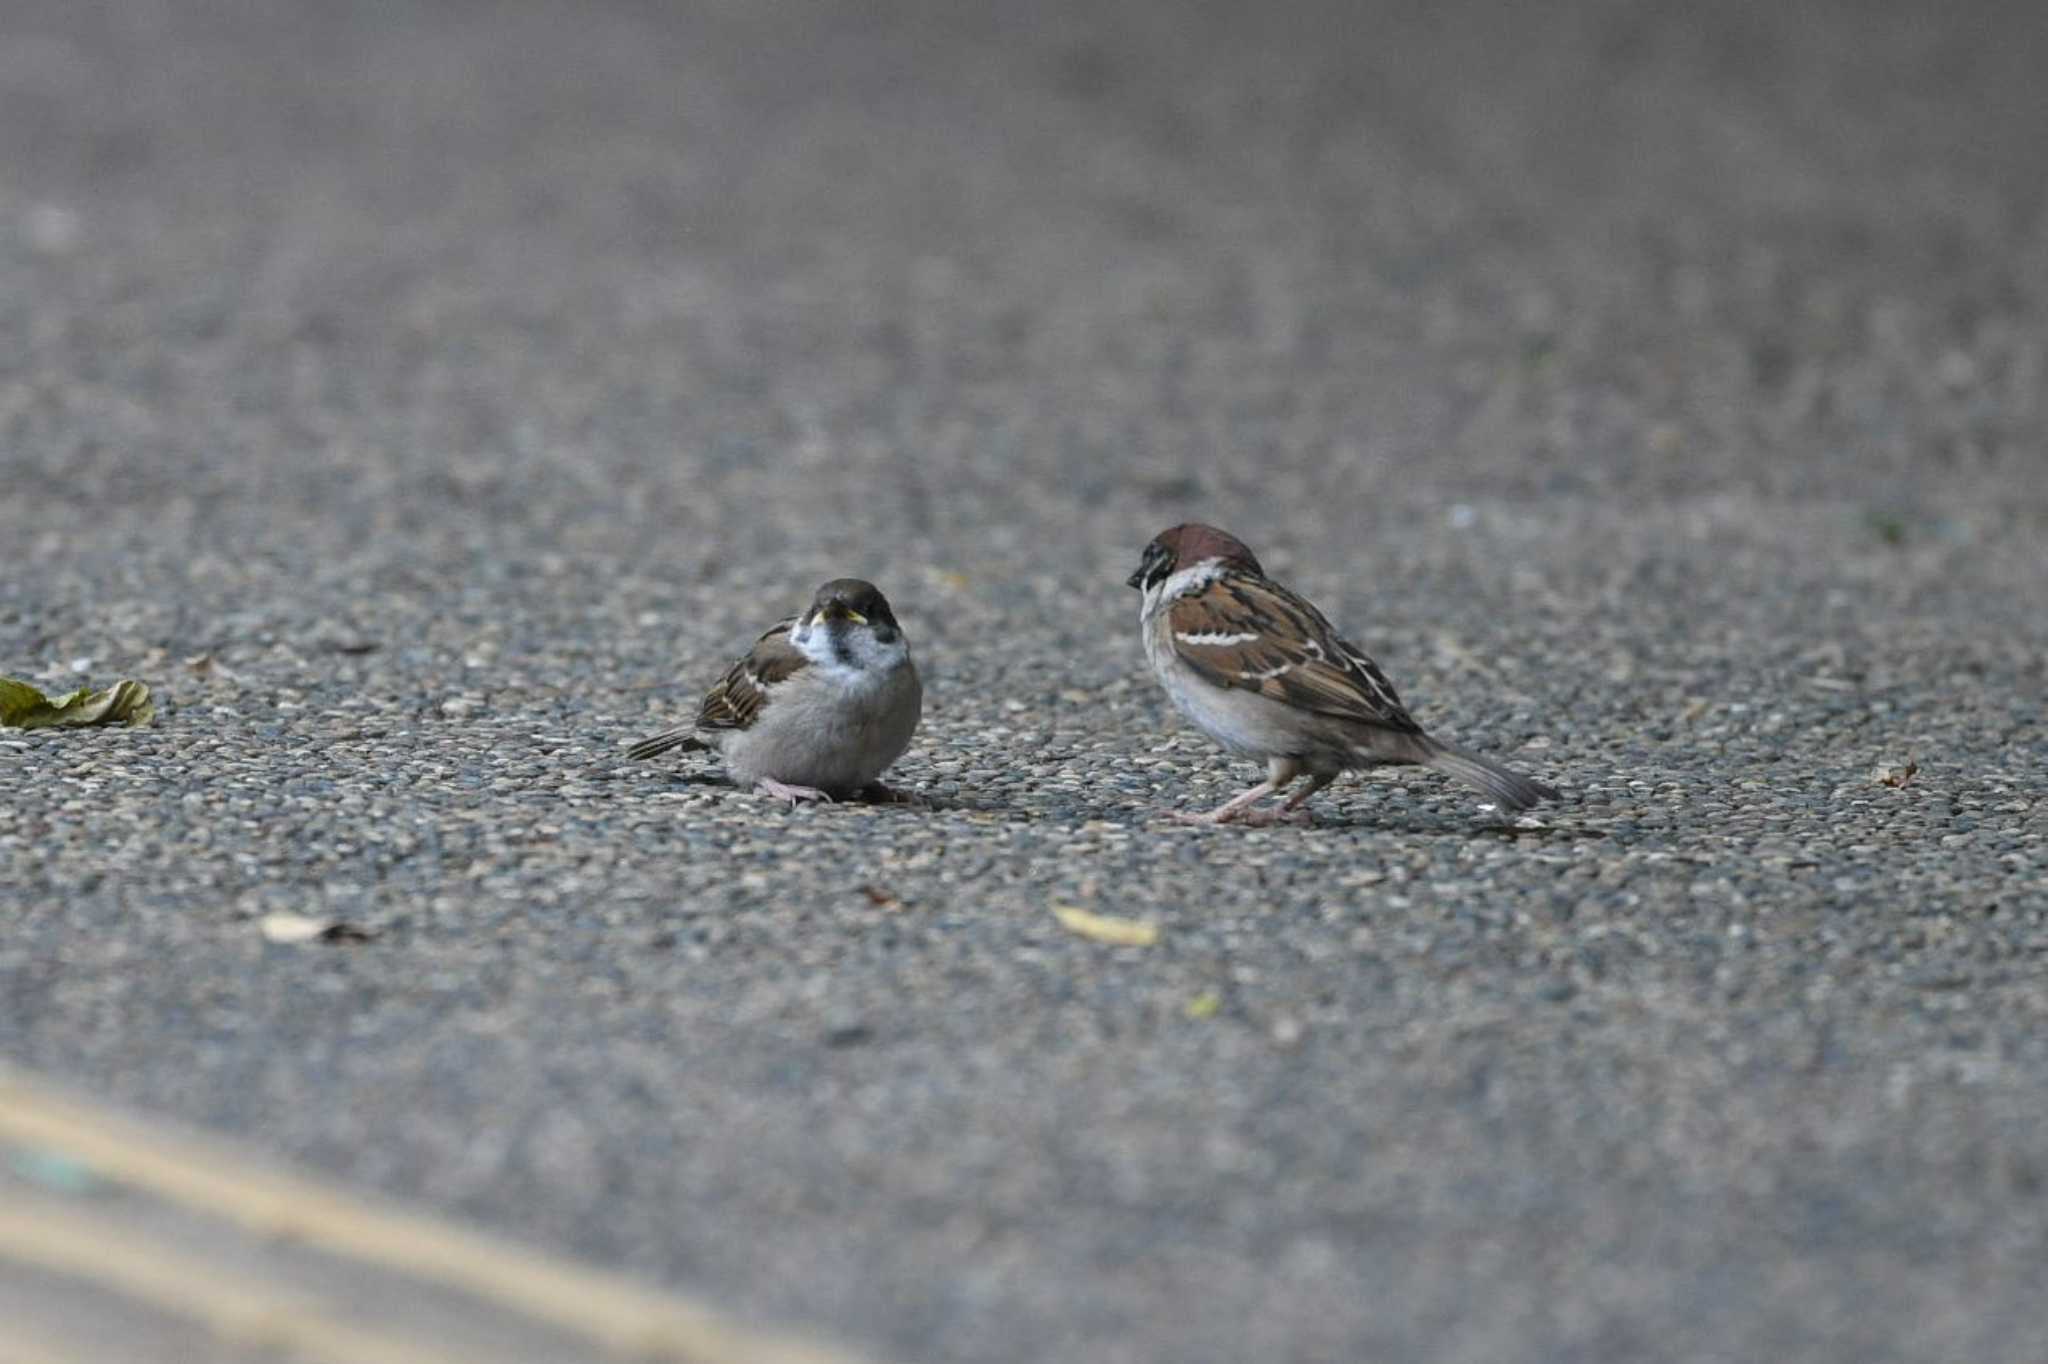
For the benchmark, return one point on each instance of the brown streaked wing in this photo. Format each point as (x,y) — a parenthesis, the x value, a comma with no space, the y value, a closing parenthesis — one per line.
(737,700)
(1297,657)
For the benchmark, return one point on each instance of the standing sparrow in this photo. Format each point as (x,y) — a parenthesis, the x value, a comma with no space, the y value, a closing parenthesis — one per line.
(1261,672)
(819,706)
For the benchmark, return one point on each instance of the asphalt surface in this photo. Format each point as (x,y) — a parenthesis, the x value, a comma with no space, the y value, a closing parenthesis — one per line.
(428,400)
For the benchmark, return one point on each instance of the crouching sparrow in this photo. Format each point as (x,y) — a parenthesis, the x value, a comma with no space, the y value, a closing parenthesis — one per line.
(818,708)
(1261,672)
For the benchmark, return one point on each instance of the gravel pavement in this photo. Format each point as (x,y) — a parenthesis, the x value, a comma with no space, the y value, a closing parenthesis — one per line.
(426,400)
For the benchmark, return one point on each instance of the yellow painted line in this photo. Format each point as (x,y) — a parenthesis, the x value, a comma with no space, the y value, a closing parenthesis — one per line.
(630,1320)
(111,1255)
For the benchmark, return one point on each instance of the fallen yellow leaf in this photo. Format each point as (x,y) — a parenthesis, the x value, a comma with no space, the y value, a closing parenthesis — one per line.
(1107,928)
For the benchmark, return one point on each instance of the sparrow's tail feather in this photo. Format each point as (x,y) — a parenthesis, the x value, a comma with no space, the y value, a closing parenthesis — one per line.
(685,739)
(1513,790)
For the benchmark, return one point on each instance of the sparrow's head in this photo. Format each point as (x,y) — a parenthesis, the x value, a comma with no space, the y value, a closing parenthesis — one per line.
(1185,546)
(849,625)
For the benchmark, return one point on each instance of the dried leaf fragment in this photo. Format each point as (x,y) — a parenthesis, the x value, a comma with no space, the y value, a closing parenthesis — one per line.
(25,707)
(1106,928)
(1895,774)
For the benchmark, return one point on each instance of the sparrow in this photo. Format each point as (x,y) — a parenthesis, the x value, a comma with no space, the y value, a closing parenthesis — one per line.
(818,708)
(1263,673)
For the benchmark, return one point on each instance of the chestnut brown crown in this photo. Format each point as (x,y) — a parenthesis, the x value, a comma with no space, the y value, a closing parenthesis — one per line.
(1186,545)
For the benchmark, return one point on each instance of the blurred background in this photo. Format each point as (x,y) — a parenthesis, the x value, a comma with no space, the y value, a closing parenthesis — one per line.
(623,266)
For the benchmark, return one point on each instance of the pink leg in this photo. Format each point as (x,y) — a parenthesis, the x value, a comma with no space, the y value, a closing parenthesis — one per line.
(1279,772)
(792,794)
(1294,802)
(1236,808)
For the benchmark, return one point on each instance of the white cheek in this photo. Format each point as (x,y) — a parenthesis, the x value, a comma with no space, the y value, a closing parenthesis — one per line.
(812,644)
(1179,585)
(1192,579)
(878,656)
(870,659)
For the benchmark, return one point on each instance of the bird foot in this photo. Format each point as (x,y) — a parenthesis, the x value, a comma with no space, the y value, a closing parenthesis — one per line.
(1251,819)
(793,794)
(1262,819)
